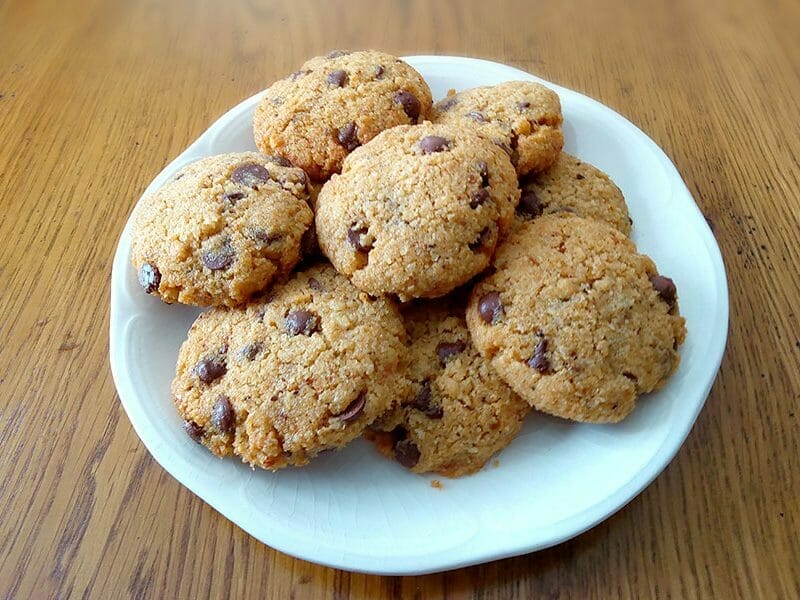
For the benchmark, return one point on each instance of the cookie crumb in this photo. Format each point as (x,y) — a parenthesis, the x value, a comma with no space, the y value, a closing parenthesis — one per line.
(435,483)
(495,463)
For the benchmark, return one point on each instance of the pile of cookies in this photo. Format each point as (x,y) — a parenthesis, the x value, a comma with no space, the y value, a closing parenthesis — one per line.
(421,274)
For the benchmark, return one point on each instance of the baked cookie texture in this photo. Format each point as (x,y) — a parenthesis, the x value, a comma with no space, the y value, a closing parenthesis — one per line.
(302,371)
(335,103)
(573,185)
(221,230)
(458,413)
(575,320)
(417,211)
(522,117)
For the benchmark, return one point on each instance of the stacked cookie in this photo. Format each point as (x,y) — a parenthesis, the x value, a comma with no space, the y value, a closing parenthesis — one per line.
(420,274)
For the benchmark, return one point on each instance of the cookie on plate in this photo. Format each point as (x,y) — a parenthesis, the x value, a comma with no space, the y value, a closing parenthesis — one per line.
(522,117)
(575,320)
(335,103)
(417,211)
(575,186)
(281,380)
(221,230)
(459,413)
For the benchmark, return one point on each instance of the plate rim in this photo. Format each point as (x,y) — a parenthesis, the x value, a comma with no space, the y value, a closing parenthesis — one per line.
(569,527)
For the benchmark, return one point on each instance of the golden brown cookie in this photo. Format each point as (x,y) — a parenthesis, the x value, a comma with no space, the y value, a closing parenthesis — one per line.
(335,103)
(221,230)
(417,211)
(575,186)
(303,371)
(459,413)
(522,117)
(575,320)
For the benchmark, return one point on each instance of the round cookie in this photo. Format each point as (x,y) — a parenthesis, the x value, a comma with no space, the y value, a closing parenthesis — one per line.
(522,117)
(459,412)
(575,186)
(303,371)
(417,211)
(334,103)
(575,320)
(221,230)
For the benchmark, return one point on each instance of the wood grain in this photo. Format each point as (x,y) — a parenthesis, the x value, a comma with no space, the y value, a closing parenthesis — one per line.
(97,97)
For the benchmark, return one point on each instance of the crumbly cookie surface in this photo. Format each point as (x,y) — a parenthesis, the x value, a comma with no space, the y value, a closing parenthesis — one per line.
(575,320)
(459,413)
(335,103)
(221,230)
(302,371)
(573,185)
(522,117)
(417,211)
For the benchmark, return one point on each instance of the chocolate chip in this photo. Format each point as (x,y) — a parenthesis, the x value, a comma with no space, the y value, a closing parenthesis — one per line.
(315,285)
(355,238)
(250,351)
(665,288)
(298,74)
(348,137)
(250,174)
(193,430)
(539,361)
(447,350)
(210,368)
(479,197)
(406,453)
(233,197)
(379,71)
(490,308)
(434,143)
(523,105)
(423,402)
(149,277)
(336,53)
(301,321)
(219,259)
(337,78)
(448,104)
(483,238)
(222,416)
(579,176)
(483,170)
(279,160)
(529,204)
(354,409)
(398,433)
(476,116)
(265,237)
(409,103)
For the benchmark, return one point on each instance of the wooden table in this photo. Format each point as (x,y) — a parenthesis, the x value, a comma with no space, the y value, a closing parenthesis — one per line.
(95,99)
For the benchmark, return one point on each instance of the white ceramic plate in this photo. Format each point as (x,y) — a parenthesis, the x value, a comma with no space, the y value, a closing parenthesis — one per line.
(355,510)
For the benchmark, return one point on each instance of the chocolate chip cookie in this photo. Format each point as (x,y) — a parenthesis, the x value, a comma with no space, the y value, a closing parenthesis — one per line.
(575,186)
(575,320)
(459,412)
(522,117)
(221,230)
(302,371)
(335,103)
(417,211)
